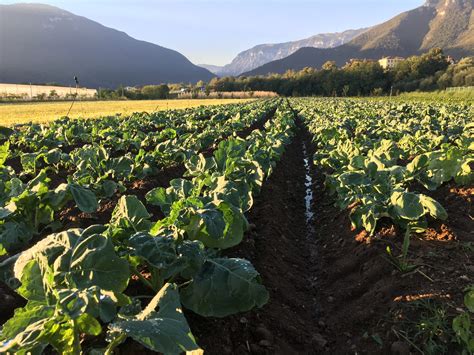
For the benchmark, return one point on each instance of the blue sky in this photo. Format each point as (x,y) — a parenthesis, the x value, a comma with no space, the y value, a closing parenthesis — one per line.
(214,31)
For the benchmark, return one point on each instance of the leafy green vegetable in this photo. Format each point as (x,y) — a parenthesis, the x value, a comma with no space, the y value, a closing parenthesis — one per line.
(223,287)
(69,280)
(161,326)
(75,281)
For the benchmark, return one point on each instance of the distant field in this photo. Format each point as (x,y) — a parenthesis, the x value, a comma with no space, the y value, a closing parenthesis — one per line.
(35,90)
(461,94)
(42,112)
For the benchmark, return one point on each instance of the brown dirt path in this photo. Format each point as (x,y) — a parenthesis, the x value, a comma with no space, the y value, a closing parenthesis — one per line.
(279,249)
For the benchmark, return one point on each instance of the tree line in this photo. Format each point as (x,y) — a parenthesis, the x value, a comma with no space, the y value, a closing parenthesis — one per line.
(359,77)
(426,72)
(147,92)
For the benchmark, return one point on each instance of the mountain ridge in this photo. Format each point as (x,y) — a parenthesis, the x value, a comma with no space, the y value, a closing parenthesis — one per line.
(54,45)
(264,53)
(448,24)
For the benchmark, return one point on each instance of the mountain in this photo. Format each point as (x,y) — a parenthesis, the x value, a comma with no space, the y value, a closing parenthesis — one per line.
(265,53)
(212,68)
(448,24)
(41,43)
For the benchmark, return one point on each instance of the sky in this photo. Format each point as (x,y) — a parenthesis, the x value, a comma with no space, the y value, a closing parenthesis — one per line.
(215,31)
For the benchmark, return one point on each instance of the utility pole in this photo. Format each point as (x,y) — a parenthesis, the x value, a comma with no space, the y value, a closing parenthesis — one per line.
(31,92)
(75,96)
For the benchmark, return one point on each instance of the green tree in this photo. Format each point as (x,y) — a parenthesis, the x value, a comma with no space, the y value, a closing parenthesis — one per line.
(200,84)
(329,65)
(154,92)
(53,95)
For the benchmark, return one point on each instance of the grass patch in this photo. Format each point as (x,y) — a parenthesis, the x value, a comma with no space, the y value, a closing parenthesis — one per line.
(427,326)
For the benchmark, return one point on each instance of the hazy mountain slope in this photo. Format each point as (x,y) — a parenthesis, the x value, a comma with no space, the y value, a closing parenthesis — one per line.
(265,53)
(444,23)
(403,33)
(212,68)
(450,25)
(41,43)
(465,41)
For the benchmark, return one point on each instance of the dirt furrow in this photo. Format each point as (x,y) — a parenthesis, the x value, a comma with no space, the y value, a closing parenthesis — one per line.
(280,250)
(365,301)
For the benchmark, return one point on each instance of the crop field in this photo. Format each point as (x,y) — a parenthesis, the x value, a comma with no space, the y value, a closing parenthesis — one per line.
(276,226)
(43,112)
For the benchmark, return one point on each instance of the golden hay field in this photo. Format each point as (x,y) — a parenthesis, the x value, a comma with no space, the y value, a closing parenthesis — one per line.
(43,112)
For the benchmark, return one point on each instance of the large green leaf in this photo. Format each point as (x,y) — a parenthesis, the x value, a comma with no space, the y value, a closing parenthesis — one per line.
(85,199)
(160,197)
(121,167)
(34,285)
(75,276)
(219,225)
(13,235)
(179,189)
(78,259)
(109,187)
(92,262)
(4,152)
(93,301)
(47,250)
(129,216)
(237,193)
(407,205)
(22,333)
(353,178)
(418,163)
(161,326)
(433,207)
(228,150)
(224,287)
(465,175)
(198,164)
(59,324)
(167,255)
(191,257)
(6,132)
(160,252)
